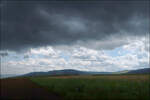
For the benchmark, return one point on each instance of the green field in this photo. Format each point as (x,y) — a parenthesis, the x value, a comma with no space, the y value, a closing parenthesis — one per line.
(103,87)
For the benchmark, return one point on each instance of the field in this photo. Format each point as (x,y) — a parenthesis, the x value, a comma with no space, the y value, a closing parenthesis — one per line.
(99,87)
(88,87)
(24,89)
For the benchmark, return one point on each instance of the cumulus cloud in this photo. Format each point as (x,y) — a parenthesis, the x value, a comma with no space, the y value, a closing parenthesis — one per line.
(82,58)
(44,51)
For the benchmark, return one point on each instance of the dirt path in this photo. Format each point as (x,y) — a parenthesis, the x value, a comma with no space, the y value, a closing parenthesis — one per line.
(24,89)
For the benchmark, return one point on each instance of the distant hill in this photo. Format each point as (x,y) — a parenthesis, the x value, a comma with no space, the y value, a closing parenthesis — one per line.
(77,72)
(139,71)
(64,72)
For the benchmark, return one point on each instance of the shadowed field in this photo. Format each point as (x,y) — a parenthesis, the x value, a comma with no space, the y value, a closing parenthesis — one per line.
(85,87)
(24,89)
(99,87)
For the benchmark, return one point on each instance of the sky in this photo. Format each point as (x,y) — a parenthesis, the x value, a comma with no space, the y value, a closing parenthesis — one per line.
(97,35)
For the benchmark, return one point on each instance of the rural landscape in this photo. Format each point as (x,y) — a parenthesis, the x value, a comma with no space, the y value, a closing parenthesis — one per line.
(78,85)
(74,49)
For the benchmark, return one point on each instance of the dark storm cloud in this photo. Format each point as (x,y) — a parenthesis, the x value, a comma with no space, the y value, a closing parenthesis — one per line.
(26,56)
(3,54)
(32,24)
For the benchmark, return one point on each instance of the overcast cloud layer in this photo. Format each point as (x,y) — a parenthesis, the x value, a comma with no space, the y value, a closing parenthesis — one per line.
(96,36)
(33,24)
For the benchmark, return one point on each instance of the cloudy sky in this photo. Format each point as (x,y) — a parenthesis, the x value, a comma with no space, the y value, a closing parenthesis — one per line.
(98,35)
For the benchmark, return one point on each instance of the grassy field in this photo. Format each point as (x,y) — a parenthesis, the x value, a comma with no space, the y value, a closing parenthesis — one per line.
(103,87)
